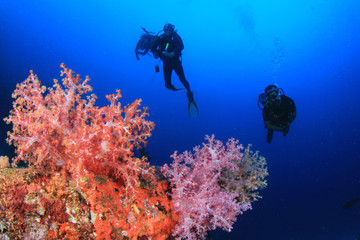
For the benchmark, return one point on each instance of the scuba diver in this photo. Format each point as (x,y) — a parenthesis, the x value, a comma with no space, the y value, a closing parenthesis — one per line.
(167,47)
(278,110)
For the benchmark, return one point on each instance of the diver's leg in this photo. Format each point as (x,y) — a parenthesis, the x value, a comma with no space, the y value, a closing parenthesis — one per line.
(286,130)
(167,69)
(270,133)
(178,68)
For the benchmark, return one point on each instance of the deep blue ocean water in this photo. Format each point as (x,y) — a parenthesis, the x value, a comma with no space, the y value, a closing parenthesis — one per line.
(233,50)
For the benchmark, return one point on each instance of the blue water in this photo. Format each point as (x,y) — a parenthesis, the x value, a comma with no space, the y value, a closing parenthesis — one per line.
(233,50)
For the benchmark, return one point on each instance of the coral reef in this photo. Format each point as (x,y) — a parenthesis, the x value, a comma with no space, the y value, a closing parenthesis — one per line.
(37,206)
(84,181)
(60,132)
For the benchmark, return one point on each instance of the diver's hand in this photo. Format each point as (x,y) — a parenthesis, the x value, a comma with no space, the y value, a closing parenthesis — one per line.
(168,54)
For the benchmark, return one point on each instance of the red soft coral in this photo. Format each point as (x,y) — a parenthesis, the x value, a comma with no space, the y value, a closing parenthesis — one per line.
(197,197)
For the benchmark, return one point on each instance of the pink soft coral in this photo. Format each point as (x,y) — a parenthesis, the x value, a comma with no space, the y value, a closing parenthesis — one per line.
(58,128)
(197,197)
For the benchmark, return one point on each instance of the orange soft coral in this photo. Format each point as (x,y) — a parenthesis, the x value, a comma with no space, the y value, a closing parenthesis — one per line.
(149,213)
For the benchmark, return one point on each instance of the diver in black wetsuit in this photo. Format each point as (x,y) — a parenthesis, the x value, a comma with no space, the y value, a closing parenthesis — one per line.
(168,47)
(278,110)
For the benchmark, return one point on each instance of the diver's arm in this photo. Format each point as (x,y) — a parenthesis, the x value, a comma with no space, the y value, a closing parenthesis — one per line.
(265,114)
(179,45)
(289,109)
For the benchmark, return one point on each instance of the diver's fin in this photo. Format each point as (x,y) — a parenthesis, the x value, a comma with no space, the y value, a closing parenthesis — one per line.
(191,106)
(191,103)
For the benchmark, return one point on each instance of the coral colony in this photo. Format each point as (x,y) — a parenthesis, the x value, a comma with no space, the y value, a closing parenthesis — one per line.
(83,180)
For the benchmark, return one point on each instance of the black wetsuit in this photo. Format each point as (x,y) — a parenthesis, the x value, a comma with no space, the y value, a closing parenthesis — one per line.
(279,116)
(174,44)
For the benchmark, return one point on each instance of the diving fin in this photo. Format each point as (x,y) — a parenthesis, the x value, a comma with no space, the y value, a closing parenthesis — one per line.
(192,103)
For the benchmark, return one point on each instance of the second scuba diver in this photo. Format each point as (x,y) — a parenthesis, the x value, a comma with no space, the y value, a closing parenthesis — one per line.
(278,110)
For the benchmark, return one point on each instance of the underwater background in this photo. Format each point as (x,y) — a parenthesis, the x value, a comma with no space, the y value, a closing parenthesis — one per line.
(233,50)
